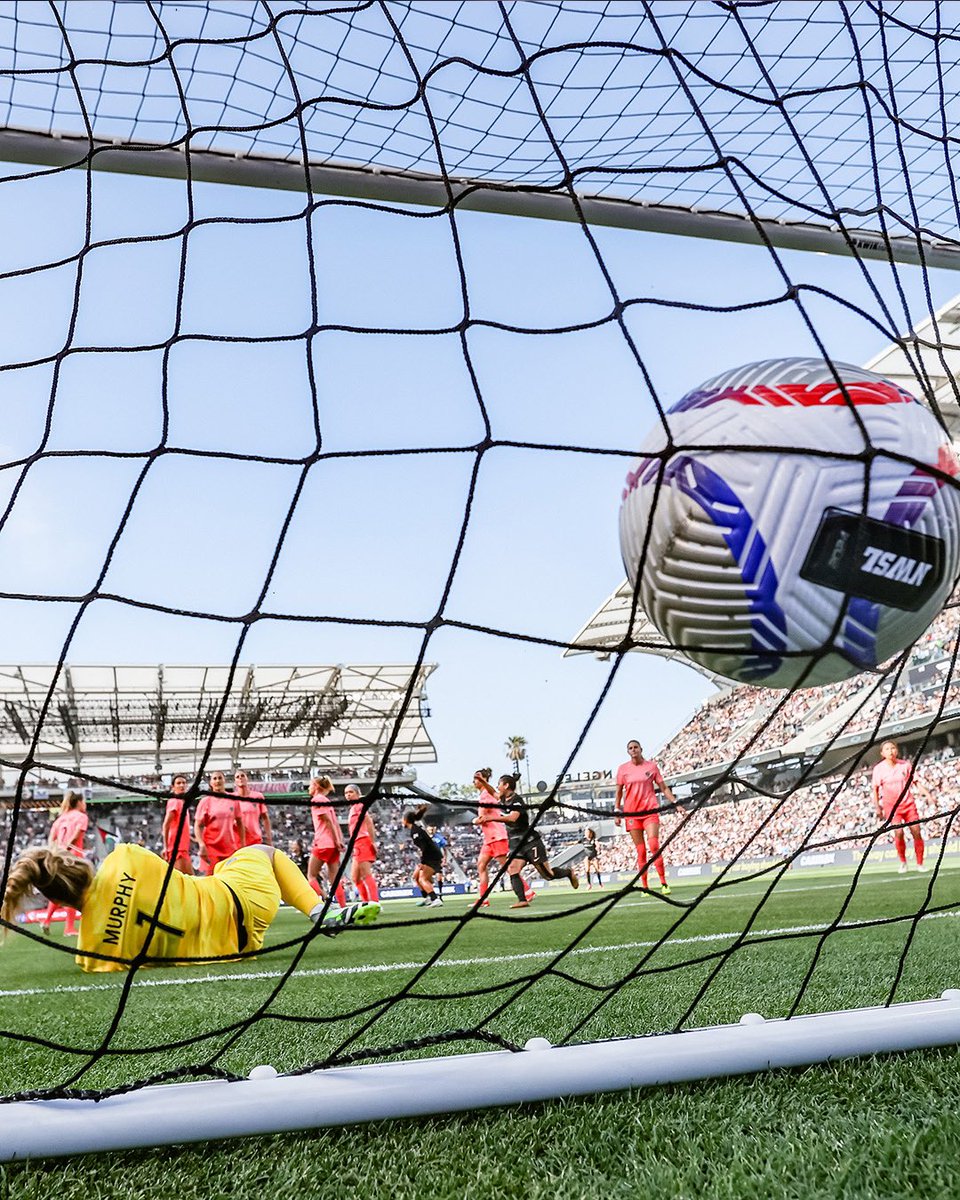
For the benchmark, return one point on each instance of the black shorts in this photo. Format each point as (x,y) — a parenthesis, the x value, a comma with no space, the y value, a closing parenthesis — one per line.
(530,848)
(435,864)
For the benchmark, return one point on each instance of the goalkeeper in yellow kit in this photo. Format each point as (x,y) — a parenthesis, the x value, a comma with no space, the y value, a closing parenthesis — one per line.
(128,915)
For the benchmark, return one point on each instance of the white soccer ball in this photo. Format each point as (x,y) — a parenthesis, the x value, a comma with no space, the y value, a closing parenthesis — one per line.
(789,530)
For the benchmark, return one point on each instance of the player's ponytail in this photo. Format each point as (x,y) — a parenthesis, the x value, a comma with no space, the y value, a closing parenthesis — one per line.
(71,801)
(61,877)
(413,815)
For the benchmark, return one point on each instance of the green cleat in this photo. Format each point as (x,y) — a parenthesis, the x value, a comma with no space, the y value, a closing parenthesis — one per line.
(364,913)
(665,889)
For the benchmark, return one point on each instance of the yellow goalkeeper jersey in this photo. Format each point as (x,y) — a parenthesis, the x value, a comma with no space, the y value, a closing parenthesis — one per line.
(198,918)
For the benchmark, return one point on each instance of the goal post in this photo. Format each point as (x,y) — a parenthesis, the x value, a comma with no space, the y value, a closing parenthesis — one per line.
(174,1114)
(388,186)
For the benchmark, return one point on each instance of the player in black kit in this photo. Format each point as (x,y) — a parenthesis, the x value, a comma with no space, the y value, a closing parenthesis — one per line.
(526,845)
(431,857)
(592,856)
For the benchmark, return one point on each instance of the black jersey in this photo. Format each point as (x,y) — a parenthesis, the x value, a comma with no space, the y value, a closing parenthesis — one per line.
(430,853)
(524,842)
(517,830)
(590,847)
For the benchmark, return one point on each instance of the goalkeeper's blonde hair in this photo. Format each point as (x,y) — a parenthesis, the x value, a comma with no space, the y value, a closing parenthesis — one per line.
(57,874)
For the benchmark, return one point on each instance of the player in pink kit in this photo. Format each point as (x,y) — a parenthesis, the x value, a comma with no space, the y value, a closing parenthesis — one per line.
(254,815)
(218,826)
(364,853)
(176,848)
(327,849)
(67,833)
(638,781)
(892,779)
(496,844)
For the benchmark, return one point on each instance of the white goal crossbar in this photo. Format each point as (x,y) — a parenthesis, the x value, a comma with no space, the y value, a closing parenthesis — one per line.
(389,186)
(270,1103)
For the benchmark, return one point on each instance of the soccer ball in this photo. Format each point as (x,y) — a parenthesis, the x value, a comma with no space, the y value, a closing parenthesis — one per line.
(815,547)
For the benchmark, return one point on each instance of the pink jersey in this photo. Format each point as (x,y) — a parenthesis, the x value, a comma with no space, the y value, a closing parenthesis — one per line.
(891,781)
(492,829)
(252,812)
(356,818)
(324,837)
(639,782)
(177,848)
(68,829)
(216,819)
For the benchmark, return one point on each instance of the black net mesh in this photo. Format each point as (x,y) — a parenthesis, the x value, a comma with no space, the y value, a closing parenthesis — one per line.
(185,385)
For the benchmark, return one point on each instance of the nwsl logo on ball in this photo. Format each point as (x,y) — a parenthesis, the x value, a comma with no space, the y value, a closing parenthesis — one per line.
(895,566)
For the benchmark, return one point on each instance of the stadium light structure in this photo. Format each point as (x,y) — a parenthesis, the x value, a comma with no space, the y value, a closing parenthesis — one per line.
(125,720)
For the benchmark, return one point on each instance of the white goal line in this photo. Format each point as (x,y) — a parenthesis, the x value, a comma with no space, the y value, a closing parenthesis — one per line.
(480,961)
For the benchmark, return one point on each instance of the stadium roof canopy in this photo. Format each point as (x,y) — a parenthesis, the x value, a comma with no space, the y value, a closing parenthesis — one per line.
(132,720)
(608,626)
(931,351)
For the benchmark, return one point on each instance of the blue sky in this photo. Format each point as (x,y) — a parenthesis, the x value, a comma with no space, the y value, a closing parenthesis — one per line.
(397,414)
(372,535)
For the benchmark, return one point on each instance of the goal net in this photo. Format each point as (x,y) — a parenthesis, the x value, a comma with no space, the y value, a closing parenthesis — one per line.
(331,332)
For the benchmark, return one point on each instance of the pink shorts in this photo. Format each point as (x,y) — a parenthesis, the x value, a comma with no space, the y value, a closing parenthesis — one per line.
(328,854)
(496,849)
(904,813)
(641,820)
(363,850)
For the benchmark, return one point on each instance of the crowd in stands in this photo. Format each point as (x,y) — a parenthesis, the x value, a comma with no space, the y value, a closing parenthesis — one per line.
(828,815)
(133,821)
(753,720)
(273,782)
(141,823)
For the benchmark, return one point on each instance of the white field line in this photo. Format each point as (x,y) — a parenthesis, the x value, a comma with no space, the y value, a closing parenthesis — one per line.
(145,981)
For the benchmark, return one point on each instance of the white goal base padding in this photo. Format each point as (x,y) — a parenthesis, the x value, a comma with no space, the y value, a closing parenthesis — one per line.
(271,1103)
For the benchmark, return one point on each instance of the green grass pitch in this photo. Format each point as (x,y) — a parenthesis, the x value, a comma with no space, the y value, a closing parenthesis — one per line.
(880,1127)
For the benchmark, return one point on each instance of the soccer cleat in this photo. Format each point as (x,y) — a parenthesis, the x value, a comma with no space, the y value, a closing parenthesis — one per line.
(436,902)
(574,881)
(921,867)
(902,869)
(363,913)
(422,903)
(665,889)
(521,904)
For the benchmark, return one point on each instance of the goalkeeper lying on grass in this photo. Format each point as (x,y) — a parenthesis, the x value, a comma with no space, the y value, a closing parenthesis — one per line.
(212,916)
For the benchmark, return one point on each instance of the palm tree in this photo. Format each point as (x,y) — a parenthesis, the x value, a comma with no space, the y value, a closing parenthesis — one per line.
(516,748)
